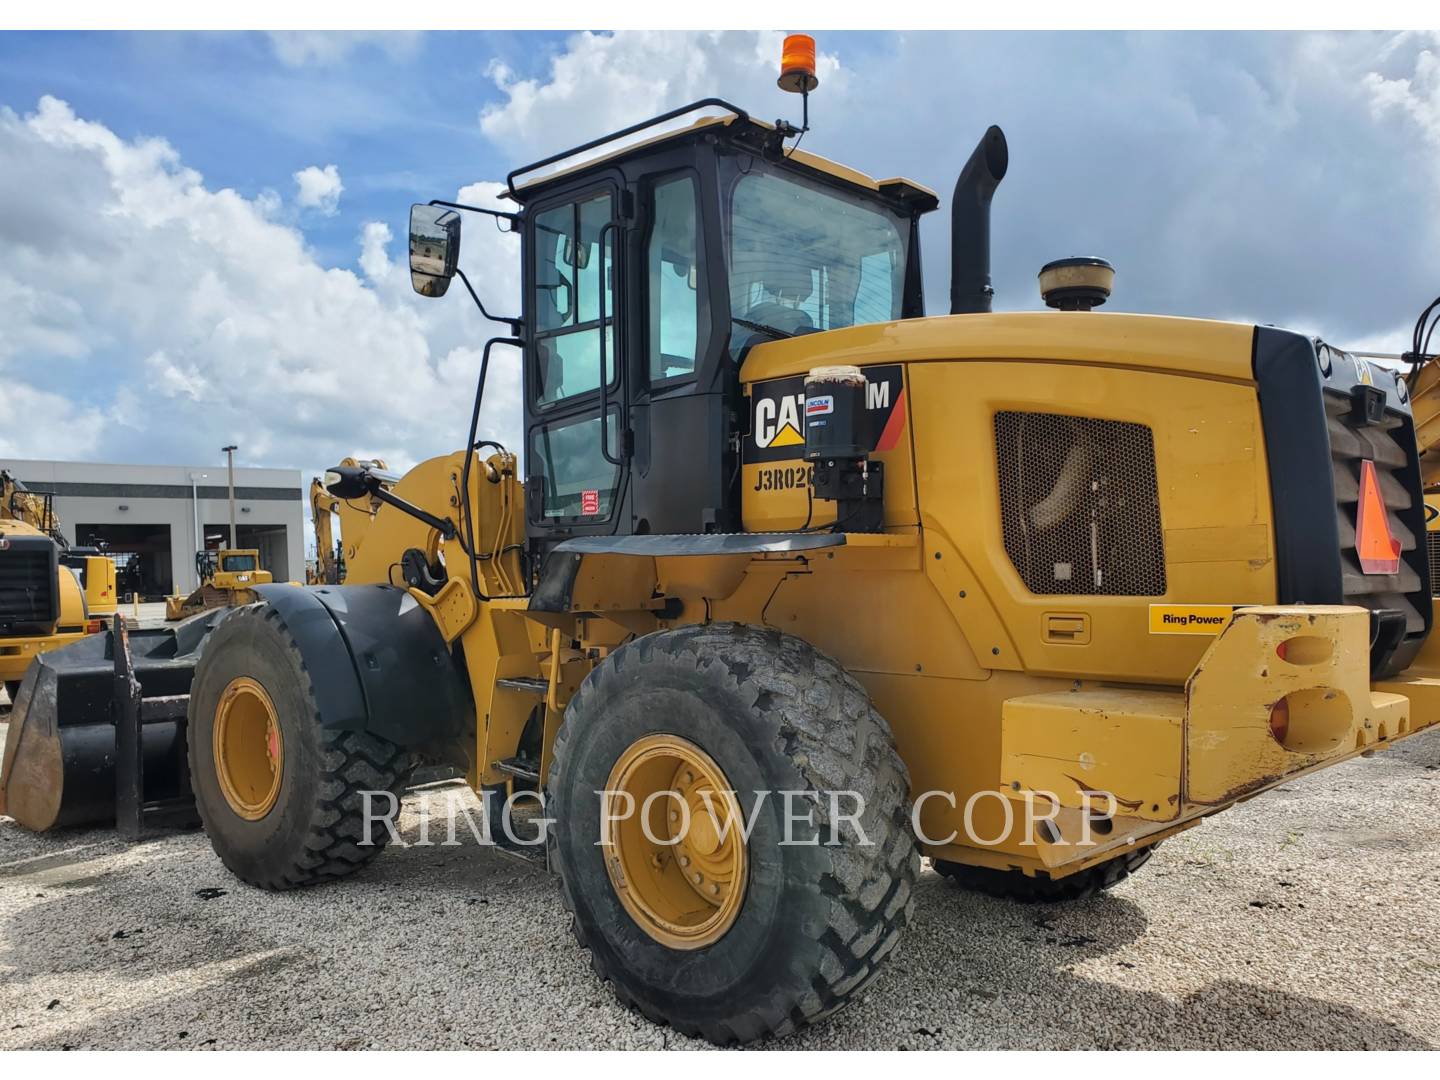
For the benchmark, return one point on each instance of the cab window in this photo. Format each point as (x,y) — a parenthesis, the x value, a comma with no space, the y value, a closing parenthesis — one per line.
(575,479)
(804,256)
(571,270)
(679,317)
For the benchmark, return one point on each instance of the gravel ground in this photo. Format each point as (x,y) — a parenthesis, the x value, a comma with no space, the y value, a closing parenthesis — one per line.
(1300,920)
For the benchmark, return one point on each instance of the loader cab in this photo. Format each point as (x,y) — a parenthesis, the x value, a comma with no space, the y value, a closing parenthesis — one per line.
(653,260)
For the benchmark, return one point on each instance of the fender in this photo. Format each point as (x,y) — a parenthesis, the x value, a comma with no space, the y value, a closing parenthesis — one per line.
(378,664)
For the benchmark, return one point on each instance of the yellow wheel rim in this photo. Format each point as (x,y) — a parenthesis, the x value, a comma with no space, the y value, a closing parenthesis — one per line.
(249,751)
(676,847)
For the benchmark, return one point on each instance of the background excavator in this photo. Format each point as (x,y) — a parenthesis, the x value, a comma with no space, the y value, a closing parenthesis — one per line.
(794,585)
(354,517)
(51,593)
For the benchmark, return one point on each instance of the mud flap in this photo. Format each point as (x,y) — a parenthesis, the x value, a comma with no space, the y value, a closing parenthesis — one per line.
(63,764)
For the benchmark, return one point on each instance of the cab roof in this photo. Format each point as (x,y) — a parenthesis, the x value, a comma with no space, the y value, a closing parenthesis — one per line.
(714,113)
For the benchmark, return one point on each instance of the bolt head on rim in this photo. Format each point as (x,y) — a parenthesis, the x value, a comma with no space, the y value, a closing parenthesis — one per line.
(675,853)
(248,748)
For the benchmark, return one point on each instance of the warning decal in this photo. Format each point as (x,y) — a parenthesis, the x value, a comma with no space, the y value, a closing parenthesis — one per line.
(590,501)
(778,408)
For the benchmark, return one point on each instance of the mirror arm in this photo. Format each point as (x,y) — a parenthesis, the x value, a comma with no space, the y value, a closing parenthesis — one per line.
(513,219)
(517,325)
(351,481)
(444,526)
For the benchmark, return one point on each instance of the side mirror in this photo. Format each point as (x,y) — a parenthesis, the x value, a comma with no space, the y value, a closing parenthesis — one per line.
(348,481)
(434,248)
(576,255)
(550,279)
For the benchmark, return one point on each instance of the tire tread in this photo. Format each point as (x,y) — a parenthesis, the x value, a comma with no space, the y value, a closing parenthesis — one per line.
(810,703)
(351,762)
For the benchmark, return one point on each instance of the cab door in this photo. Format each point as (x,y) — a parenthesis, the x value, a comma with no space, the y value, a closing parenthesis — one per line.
(576,408)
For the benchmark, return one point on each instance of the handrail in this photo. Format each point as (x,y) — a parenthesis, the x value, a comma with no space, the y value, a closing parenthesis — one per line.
(703,103)
(470,447)
(609,227)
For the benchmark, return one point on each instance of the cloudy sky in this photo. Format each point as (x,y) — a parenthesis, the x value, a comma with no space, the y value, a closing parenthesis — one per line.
(200,234)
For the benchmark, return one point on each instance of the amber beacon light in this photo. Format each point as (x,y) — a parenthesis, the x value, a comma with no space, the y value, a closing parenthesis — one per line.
(797,64)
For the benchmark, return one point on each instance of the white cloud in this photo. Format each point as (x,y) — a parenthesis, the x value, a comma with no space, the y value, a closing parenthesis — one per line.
(1265,177)
(601,82)
(324,48)
(319,189)
(1282,178)
(40,424)
(1417,95)
(179,314)
(375,238)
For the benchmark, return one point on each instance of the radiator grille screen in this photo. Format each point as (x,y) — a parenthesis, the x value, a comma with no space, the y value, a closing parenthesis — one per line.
(1432,541)
(1080,504)
(27,589)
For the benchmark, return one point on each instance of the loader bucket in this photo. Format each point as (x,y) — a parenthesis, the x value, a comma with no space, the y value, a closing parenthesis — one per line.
(97,731)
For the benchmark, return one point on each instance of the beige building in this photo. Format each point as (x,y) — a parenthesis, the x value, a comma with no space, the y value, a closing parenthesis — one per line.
(153,518)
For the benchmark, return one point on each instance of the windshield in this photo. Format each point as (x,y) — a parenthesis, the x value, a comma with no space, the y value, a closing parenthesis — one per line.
(805,257)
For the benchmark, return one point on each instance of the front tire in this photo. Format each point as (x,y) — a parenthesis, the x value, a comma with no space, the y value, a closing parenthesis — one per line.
(763,713)
(282,799)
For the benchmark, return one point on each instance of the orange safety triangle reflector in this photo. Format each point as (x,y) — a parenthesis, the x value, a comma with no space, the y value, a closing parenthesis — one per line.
(1376,545)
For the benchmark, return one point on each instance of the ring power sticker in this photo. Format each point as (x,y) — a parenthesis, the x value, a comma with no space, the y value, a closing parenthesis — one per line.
(1190,618)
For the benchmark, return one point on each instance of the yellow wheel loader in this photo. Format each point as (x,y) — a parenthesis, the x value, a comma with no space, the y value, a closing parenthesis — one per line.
(51,593)
(793,584)
(228,577)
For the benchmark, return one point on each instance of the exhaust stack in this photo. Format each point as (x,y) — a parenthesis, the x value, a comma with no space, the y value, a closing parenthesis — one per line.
(970,289)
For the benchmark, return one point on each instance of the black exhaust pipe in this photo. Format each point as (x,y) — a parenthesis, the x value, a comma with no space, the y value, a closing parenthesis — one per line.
(970,289)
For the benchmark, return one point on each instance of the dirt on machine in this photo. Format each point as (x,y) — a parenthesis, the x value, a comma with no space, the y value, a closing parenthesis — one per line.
(793,583)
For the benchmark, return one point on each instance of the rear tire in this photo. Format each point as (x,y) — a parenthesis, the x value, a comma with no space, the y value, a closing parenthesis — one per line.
(312,829)
(817,916)
(1042,889)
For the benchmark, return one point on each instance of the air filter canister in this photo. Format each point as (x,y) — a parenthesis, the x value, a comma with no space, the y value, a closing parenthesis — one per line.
(835,414)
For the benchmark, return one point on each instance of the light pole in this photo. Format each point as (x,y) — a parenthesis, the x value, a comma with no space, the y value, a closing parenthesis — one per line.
(229,452)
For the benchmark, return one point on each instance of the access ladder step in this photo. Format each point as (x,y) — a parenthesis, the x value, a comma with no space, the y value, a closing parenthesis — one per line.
(169,707)
(524,768)
(524,684)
